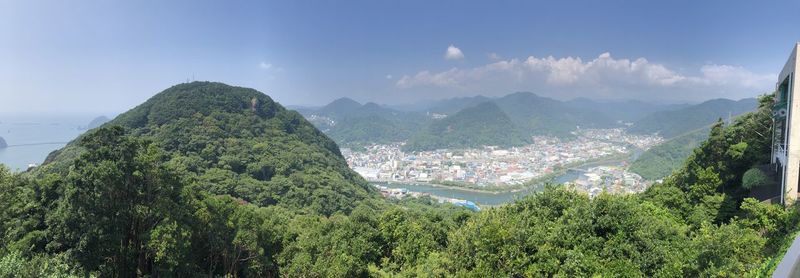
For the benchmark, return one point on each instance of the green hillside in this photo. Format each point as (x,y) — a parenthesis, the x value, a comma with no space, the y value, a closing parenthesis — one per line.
(672,123)
(535,115)
(370,129)
(237,141)
(131,204)
(339,107)
(481,125)
(356,124)
(660,161)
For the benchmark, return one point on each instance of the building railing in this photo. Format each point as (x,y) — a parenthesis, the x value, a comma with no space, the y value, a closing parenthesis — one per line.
(790,264)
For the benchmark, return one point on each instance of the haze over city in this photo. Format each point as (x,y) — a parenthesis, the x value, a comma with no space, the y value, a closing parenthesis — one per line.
(106,57)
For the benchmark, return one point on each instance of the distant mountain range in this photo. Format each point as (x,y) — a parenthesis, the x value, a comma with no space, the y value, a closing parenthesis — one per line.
(523,114)
(483,124)
(96,122)
(674,123)
(349,122)
(627,111)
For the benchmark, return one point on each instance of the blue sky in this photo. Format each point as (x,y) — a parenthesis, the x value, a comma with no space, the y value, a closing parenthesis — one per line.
(108,56)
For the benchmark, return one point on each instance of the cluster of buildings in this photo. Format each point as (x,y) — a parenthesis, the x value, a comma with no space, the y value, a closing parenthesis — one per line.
(611,179)
(490,165)
(400,193)
(620,136)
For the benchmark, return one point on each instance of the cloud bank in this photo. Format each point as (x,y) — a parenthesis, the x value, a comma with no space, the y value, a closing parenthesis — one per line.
(602,77)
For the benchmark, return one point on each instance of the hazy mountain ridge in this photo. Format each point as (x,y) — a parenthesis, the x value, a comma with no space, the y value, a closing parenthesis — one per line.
(673,123)
(626,110)
(484,124)
(349,122)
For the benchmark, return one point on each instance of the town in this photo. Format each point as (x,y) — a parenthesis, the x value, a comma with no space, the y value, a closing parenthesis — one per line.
(492,167)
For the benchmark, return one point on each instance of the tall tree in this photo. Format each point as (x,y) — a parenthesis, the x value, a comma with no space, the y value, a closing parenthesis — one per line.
(120,198)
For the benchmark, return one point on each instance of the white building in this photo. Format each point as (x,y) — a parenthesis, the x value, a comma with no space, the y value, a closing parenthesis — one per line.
(785,140)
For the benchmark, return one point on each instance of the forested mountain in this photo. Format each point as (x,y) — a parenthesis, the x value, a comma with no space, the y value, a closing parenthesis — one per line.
(535,115)
(237,141)
(660,161)
(348,122)
(628,111)
(484,124)
(338,108)
(673,123)
(3,143)
(453,105)
(157,198)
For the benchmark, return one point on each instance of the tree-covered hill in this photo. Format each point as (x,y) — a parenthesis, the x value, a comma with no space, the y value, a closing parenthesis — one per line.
(339,107)
(660,161)
(238,141)
(126,206)
(453,105)
(482,125)
(350,123)
(673,123)
(535,115)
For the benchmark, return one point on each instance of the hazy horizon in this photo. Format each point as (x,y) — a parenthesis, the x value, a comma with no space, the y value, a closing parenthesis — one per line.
(105,58)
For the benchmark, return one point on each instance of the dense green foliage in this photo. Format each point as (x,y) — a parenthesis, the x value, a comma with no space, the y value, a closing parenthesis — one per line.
(661,160)
(675,123)
(754,178)
(131,204)
(237,141)
(482,125)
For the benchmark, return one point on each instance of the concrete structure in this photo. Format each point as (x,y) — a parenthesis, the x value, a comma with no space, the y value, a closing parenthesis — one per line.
(786,129)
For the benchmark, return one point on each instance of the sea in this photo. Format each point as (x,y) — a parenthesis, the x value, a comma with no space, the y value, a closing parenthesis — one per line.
(32,137)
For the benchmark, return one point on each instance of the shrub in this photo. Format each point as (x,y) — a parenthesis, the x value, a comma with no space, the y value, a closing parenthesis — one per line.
(754,178)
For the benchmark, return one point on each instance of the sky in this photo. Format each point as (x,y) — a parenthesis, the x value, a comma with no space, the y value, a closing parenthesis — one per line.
(106,57)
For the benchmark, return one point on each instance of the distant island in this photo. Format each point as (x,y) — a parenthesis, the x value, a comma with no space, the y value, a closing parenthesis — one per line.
(3,143)
(96,122)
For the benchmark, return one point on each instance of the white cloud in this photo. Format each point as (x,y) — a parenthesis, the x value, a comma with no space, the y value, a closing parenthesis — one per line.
(453,53)
(734,75)
(571,77)
(269,67)
(388,76)
(494,56)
